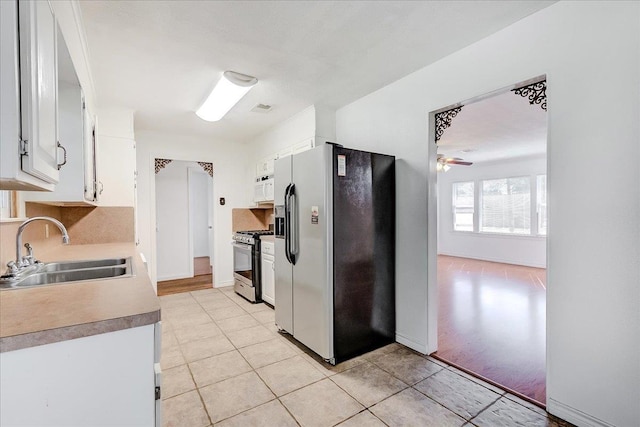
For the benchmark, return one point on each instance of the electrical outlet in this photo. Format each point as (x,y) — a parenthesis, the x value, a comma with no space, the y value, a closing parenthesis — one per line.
(46,231)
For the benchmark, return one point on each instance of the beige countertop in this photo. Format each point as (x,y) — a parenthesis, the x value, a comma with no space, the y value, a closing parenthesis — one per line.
(268,238)
(53,313)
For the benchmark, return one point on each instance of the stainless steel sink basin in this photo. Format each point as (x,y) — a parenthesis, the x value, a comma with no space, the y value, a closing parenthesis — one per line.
(76,265)
(73,271)
(49,278)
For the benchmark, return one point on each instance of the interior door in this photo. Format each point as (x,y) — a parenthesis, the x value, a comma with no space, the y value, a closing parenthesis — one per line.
(39,89)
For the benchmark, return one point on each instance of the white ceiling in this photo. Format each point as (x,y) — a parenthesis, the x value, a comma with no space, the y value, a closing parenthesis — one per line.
(161,58)
(500,127)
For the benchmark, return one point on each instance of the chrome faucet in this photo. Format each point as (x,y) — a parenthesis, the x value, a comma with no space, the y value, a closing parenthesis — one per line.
(26,261)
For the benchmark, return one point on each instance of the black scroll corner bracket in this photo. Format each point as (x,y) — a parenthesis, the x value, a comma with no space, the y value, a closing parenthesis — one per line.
(443,121)
(536,93)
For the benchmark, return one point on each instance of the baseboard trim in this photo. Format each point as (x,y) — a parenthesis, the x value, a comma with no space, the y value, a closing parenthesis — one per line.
(573,415)
(490,259)
(419,347)
(177,277)
(225,284)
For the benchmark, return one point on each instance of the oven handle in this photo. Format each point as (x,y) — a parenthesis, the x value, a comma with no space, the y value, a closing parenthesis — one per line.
(242,246)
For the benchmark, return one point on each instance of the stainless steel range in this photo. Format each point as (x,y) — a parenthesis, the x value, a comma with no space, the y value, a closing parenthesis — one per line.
(246,263)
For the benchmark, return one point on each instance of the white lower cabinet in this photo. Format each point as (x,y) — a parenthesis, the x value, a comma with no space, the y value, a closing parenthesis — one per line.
(107,379)
(268,272)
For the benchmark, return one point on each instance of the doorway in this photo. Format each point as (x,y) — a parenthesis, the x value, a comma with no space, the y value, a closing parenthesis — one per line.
(491,239)
(184,226)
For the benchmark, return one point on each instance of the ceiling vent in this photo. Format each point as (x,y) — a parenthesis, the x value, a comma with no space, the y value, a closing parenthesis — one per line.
(261,108)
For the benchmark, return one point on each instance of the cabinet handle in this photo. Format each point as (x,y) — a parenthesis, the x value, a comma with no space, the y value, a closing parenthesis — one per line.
(64,159)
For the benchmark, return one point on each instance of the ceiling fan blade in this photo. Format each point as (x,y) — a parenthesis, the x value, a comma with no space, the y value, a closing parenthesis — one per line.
(458,162)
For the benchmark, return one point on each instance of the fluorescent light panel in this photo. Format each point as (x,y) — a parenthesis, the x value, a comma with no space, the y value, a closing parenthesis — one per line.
(229,90)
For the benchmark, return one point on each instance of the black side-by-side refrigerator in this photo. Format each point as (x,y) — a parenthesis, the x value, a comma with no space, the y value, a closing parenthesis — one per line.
(335,250)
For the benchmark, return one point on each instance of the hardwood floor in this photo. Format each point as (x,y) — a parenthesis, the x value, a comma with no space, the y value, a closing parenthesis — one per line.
(168,287)
(491,322)
(201,266)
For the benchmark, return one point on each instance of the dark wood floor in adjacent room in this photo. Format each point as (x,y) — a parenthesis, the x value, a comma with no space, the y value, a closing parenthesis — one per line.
(196,283)
(491,322)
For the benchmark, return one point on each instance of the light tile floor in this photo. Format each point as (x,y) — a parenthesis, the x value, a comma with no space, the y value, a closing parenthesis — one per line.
(225,364)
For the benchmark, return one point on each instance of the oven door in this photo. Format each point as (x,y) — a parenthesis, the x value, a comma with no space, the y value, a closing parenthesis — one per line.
(242,263)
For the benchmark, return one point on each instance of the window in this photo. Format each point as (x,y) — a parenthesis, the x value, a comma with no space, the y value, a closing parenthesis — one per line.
(463,206)
(541,204)
(506,206)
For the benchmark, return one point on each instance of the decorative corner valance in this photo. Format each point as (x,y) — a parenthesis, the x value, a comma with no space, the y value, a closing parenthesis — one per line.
(443,121)
(208,168)
(161,164)
(536,93)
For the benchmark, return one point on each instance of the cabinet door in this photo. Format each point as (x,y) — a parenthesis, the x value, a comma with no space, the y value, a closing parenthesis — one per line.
(39,89)
(268,280)
(269,162)
(305,145)
(268,190)
(89,141)
(285,152)
(258,192)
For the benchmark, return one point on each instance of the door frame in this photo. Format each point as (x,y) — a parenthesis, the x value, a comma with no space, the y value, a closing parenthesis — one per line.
(432,211)
(153,263)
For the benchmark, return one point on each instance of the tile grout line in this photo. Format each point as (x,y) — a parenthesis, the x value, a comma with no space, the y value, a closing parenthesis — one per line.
(253,369)
(449,368)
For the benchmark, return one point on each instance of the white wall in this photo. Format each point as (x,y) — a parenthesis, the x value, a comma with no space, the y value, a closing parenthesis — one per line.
(230,181)
(521,250)
(590,53)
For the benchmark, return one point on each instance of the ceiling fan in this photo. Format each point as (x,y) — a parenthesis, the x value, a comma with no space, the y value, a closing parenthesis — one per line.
(444,162)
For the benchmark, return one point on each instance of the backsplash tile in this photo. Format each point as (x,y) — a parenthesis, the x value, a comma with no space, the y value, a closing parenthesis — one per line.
(251,219)
(85,225)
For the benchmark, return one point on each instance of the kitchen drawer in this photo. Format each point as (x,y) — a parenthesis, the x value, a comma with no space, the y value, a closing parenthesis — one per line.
(267,248)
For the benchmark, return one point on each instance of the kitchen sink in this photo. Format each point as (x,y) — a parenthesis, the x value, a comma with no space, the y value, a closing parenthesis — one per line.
(76,265)
(72,271)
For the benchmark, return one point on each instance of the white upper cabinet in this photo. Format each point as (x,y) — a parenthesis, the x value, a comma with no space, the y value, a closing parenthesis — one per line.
(116,154)
(39,89)
(263,191)
(28,96)
(265,166)
(77,179)
(305,145)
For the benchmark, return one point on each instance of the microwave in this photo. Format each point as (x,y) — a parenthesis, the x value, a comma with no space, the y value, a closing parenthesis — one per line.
(263,190)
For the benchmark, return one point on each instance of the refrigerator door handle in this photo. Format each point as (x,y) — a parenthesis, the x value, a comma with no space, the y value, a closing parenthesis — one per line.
(293,225)
(287,223)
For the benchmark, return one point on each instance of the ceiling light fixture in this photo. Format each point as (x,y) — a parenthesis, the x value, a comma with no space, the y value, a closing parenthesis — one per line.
(442,166)
(228,91)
